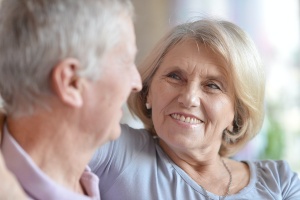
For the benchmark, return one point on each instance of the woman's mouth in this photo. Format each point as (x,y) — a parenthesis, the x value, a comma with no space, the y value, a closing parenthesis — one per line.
(182,118)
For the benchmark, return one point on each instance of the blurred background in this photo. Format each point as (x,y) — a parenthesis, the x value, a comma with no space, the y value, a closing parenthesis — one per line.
(274,26)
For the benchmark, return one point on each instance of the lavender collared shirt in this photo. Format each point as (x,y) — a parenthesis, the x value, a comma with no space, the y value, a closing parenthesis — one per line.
(35,182)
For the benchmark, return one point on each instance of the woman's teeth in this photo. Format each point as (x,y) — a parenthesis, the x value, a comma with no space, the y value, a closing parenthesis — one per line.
(182,118)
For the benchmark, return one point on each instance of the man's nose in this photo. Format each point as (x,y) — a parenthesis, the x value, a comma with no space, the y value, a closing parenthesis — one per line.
(136,81)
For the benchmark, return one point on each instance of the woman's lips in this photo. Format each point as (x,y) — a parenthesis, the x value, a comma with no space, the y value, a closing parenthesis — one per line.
(186,119)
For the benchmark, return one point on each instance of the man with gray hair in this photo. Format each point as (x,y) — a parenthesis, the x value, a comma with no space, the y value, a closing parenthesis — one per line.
(66,69)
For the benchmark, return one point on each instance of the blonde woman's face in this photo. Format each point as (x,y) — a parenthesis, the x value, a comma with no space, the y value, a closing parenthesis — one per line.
(191,98)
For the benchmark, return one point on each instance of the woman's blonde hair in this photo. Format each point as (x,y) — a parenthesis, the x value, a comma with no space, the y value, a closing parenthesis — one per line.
(243,63)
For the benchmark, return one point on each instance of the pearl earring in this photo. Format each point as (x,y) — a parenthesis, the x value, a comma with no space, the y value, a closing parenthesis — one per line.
(148,106)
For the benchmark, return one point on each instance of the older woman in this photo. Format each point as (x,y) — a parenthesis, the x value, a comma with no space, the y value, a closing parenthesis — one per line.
(66,69)
(202,100)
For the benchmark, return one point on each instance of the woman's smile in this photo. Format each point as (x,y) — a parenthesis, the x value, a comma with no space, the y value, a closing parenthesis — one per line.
(192,96)
(186,119)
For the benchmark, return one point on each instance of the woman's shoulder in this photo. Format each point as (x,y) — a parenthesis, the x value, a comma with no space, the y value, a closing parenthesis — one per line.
(133,135)
(275,175)
(132,140)
(126,129)
(124,149)
(269,169)
(275,167)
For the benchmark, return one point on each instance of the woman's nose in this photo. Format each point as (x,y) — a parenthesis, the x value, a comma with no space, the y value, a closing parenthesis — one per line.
(190,96)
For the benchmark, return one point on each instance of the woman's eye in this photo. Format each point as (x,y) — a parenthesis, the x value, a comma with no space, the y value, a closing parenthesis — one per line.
(174,76)
(213,86)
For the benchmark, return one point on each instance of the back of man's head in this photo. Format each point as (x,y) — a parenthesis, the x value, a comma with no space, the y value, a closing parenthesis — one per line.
(37,34)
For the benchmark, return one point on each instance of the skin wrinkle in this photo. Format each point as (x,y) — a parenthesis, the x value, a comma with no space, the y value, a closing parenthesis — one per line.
(191,70)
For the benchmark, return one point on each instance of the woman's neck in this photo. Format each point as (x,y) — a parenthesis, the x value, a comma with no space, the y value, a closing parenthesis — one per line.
(204,166)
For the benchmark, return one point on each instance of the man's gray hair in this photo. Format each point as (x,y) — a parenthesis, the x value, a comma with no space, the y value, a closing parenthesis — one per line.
(35,35)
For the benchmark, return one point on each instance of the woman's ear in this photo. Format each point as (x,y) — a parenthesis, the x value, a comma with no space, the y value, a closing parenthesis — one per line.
(230,128)
(66,83)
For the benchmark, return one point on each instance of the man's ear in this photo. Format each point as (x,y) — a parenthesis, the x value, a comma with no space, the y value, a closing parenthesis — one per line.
(66,83)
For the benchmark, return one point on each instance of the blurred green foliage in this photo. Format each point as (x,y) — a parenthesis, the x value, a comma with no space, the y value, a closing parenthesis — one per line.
(275,138)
